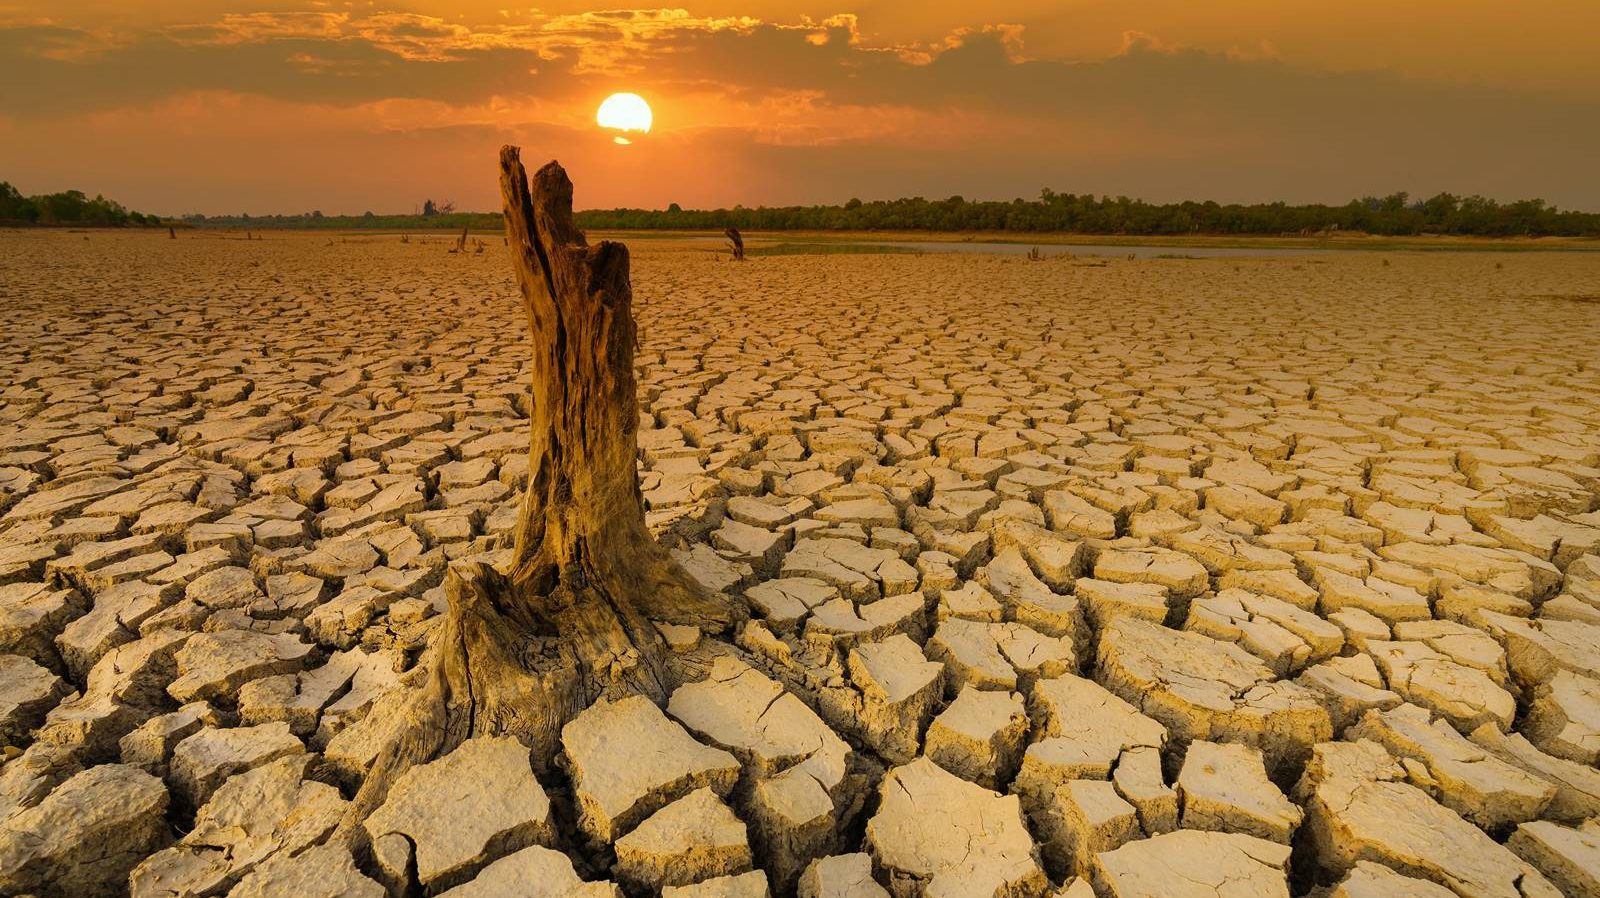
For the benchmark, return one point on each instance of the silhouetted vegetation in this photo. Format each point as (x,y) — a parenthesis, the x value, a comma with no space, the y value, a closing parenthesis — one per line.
(72,209)
(1394,215)
(432,218)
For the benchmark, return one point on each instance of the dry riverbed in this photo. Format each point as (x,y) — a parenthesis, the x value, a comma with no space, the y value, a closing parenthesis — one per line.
(1077,577)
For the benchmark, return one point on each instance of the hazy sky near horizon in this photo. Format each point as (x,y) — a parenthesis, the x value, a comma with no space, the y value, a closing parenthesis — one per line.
(261,106)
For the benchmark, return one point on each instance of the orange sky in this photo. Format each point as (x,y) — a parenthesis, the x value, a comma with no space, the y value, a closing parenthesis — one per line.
(223,106)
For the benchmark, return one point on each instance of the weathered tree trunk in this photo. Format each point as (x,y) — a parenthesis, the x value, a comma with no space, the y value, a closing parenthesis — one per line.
(737,239)
(461,242)
(521,651)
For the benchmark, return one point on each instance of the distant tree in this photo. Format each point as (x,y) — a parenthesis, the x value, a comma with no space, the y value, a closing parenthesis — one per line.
(14,206)
(1395,214)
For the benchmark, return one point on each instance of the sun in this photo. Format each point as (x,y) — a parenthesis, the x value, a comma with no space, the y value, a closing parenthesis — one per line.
(624,112)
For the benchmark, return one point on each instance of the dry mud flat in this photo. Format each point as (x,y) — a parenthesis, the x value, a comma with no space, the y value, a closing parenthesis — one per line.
(1162,578)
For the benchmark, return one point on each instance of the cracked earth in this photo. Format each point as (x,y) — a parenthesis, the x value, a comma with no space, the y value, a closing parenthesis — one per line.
(1082,577)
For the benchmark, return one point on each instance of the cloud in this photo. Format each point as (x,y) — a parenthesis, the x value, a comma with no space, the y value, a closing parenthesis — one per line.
(243,28)
(293,67)
(752,110)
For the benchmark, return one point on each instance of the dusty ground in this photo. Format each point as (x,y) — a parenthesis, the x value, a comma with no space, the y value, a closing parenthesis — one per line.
(1171,577)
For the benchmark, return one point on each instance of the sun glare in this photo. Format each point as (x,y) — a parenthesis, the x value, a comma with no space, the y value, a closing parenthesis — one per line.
(624,113)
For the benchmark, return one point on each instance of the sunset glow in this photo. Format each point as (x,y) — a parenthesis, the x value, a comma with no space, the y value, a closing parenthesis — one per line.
(341,105)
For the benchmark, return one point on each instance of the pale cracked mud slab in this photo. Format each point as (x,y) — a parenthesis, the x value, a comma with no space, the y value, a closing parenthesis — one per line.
(1133,572)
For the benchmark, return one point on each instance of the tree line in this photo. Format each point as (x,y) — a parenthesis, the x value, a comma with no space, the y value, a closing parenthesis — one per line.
(1397,215)
(69,208)
(1394,215)
(441,216)
(444,221)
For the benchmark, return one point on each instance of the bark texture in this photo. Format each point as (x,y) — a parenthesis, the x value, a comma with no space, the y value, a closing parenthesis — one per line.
(522,651)
(736,242)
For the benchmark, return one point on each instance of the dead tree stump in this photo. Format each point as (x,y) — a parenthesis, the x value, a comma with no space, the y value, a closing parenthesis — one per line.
(737,243)
(522,650)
